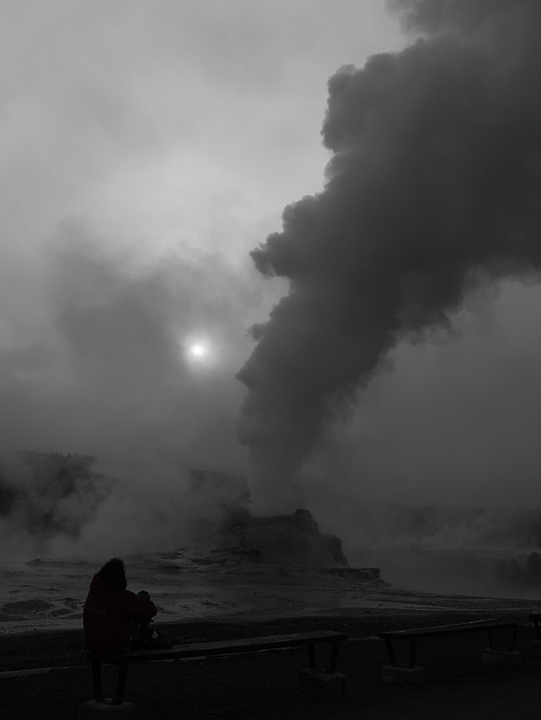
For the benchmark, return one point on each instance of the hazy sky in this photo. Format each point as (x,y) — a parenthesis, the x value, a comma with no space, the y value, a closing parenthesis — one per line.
(168,123)
(147,147)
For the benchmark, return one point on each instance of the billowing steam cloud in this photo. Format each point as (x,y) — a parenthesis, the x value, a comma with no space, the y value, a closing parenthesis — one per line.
(433,188)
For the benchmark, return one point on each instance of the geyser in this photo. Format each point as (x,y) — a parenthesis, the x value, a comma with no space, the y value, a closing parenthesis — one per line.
(432,189)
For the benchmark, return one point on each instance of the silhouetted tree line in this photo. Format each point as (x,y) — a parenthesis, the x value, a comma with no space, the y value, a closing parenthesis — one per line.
(47,493)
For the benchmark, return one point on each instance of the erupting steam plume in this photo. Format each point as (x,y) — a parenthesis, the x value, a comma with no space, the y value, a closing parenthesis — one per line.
(433,187)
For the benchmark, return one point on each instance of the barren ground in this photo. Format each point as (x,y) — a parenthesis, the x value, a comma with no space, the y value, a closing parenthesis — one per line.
(212,597)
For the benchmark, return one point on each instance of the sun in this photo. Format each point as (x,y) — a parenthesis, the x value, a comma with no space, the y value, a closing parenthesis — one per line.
(198,350)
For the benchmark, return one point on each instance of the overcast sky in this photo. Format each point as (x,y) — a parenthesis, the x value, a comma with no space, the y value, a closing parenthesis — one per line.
(147,146)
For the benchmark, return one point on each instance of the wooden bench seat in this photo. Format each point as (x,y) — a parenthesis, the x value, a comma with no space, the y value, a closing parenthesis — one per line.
(208,649)
(488,625)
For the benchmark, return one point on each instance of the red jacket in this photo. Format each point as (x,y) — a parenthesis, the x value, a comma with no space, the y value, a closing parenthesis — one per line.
(106,614)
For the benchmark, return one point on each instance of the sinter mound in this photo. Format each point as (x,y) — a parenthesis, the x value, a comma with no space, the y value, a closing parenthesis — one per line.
(287,540)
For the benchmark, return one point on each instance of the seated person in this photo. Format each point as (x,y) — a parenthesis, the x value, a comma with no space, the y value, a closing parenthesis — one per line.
(116,620)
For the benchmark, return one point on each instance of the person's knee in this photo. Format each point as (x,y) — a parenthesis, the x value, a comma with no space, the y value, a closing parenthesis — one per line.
(143,594)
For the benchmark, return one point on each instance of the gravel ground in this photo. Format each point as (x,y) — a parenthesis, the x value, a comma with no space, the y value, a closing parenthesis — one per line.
(265,685)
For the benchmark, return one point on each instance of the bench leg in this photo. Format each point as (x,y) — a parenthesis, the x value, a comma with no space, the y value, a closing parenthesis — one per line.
(312,656)
(96,680)
(334,658)
(332,662)
(121,683)
(390,650)
(392,656)
(412,653)
(514,638)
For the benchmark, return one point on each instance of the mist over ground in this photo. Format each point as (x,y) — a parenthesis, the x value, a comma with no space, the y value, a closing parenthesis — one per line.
(106,368)
(401,364)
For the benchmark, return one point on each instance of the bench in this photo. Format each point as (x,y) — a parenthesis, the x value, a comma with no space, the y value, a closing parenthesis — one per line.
(207,649)
(489,625)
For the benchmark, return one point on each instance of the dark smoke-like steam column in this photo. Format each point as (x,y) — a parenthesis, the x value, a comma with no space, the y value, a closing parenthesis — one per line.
(433,186)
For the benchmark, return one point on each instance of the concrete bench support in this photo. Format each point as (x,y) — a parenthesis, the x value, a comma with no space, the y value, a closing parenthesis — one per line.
(535,648)
(96,710)
(501,657)
(314,682)
(396,673)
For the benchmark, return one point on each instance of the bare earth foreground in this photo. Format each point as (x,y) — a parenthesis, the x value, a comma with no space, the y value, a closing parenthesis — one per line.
(212,597)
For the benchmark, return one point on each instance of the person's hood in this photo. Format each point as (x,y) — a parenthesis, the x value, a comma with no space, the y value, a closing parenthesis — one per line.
(99,586)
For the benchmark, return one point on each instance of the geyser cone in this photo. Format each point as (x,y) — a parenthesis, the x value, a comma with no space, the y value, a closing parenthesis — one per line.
(286,540)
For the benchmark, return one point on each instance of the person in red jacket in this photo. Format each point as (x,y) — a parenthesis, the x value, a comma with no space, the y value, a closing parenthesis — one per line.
(115,619)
